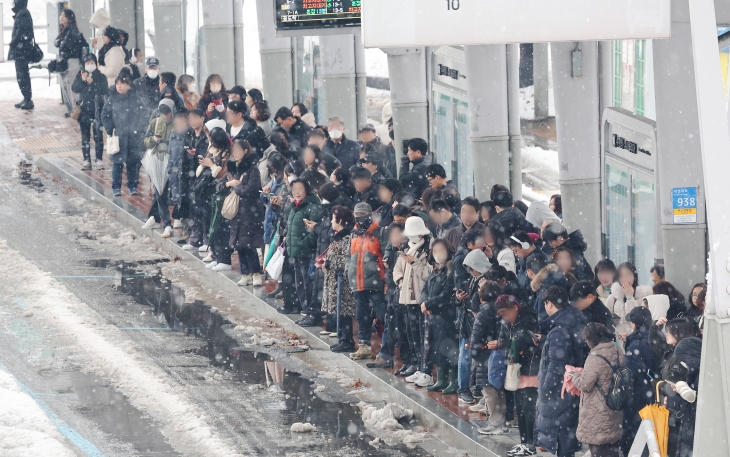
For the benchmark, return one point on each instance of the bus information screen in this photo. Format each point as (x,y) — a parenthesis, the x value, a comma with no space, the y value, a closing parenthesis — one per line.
(317,14)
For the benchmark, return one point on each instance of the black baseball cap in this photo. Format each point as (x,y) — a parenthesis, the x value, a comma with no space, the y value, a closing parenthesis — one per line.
(367,127)
(238,90)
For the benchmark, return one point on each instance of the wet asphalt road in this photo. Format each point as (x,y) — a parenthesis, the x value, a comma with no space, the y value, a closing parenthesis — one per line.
(37,220)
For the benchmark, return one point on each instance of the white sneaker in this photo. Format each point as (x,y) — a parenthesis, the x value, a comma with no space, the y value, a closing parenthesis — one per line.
(414,377)
(211,264)
(151,224)
(86,165)
(99,165)
(203,248)
(208,258)
(177,224)
(492,430)
(245,280)
(324,333)
(425,381)
(333,335)
(189,247)
(256,280)
(222,267)
(479,407)
(167,233)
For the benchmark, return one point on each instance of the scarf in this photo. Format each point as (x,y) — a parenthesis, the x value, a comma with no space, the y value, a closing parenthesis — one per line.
(414,247)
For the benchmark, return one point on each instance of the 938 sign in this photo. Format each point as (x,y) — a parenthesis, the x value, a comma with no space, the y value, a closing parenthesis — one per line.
(684,203)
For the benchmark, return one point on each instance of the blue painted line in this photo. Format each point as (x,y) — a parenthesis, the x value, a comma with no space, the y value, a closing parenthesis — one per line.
(69,432)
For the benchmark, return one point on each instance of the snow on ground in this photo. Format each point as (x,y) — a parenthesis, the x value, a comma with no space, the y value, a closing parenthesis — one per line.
(542,163)
(24,428)
(527,103)
(104,350)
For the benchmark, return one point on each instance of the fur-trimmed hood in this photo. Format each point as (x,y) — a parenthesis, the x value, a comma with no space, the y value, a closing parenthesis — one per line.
(550,270)
(639,293)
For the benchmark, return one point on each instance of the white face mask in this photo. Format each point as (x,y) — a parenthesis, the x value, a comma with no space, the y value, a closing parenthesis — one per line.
(291,178)
(325,201)
(153,73)
(191,87)
(414,239)
(133,59)
(90,68)
(220,108)
(215,88)
(440,258)
(335,134)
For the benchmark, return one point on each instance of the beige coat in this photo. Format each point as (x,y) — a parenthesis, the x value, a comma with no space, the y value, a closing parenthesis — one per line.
(411,277)
(114,62)
(597,423)
(618,305)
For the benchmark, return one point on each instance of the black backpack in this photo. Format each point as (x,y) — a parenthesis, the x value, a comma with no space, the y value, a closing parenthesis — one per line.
(621,389)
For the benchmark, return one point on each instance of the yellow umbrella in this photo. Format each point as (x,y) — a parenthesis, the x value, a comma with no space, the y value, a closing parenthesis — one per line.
(659,415)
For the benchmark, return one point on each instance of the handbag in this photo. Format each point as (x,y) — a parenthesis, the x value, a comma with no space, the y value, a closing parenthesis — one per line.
(276,264)
(112,144)
(512,378)
(36,54)
(230,205)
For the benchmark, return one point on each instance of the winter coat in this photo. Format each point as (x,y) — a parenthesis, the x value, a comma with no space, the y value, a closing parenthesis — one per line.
(619,306)
(538,213)
(336,262)
(461,275)
(91,96)
(101,20)
(199,190)
(123,115)
(247,228)
(22,38)
(453,235)
(577,244)
(369,196)
(602,293)
(597,312)
(512,220)
(366,271)
(264,165)
(113,64)
(330,163)
(298,133)
(346,151)
(639,359)
(71,44)
(272,211)
(597,423)
(528,352)
(160,127)
(255,137)
(179,167)
(301,243)
(411,276)
(384,214)
(486,329)
(324,229)
(453,223)
(550,275)
(562,344)
(149,90)
(436,294)
(207,100)
(521,266)
(414,179)
(389,162)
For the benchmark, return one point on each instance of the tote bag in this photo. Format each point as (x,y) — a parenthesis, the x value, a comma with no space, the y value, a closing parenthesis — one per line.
(276,264)
(230,206)
(512,378)
(112,144)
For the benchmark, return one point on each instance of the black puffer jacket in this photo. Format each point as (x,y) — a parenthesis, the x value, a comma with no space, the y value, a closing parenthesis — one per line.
(369,196)
(71,44)
(577,244)
(92,95)
(254,134)
(414,179)
(512,220)
(324,228)
(486,329)
(436,294)
(298,133)
(124,116)
(149,91)
(21,41)
(519,332)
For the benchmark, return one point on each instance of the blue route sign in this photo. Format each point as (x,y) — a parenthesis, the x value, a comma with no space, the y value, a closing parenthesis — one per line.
(684,203)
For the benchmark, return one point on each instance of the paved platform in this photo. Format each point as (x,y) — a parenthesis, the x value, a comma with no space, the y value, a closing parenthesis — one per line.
(54,141)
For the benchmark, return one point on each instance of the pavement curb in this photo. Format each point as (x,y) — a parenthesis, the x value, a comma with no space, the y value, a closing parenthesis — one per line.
(444,425)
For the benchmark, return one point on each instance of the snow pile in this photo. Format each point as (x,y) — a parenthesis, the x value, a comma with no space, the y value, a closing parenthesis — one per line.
(527,103)
(341,378)
(107,352)
(24,428)
(386,424)
(264,332)
(299,427)
(543,163)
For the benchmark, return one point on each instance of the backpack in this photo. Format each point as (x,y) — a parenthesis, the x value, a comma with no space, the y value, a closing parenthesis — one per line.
(621,389)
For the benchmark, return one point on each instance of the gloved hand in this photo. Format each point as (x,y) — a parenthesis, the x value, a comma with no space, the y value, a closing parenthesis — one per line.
(404,160)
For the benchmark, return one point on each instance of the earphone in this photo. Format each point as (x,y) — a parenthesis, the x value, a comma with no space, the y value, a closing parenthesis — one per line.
(523,244)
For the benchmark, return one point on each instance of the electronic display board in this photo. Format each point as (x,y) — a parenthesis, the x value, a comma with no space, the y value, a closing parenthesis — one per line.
(294,15)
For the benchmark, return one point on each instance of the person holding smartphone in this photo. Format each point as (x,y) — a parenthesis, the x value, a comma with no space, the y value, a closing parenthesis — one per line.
(91,85)
(199,206)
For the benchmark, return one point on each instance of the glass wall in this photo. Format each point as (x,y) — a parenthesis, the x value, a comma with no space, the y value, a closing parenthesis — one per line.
(450,138)
(629,75)
(307,75)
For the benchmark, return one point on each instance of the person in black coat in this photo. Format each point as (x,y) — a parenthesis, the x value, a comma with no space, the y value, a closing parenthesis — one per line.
(214,100)
(413,168)
(199,188)
(148,86)
(91,85)
(641,360)
(70,44)
(297,130)
(366,190)
(555,234)
(510,217)
(247,228)
(242,127)
(524,248)
(345,150)
(387,190)
(562,344)
(583,295)
(21,50)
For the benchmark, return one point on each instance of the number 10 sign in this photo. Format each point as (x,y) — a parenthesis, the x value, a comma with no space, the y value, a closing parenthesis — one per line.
(684,202)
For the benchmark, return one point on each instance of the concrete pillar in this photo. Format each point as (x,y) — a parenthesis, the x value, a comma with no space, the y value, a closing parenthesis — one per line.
(513,119)
(679,158)
(338,96)
(219,38)
(361,82)
(238,44)
(577,120)
(83,9)
(486,71)
(128,15)
(276,59)
(408,95)
(169,35)
(541,65)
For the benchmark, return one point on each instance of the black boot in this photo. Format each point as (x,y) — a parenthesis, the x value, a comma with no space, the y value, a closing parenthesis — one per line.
(27,104)
(20,103)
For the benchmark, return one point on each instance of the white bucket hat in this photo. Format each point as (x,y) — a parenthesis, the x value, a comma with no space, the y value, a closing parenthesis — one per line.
(415,227)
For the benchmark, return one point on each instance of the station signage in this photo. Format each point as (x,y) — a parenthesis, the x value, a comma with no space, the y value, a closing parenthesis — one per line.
(293,15)
(684,204)
(388,23)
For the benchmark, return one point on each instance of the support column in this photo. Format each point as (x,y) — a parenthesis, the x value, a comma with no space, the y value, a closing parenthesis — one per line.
(339,97)
(513,120)
(361,83)
(276,59)
(486,78)
(577,121)
(712,431)
(128,15)
(408,95)
(219,38)
(83,9)
(238,44)
(541,65)
(169,35)
(679,158)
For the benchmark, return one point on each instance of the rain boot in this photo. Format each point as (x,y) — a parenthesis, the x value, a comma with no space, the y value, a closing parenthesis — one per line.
(443,374)
(453,386)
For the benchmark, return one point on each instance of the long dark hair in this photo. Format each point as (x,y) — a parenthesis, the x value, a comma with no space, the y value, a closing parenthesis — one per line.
(630,266)
(444,243)
(317,156)
(71,16)
(220,139)
(206,89)
(682,328)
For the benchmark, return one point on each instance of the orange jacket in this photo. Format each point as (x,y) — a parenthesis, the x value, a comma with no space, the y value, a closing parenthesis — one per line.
(365,270)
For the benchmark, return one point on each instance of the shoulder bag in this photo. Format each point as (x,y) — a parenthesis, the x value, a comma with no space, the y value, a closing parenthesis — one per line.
(229,210)
(512,378)
(112,144)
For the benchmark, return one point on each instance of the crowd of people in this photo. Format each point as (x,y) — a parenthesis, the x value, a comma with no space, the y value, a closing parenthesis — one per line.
(461,288)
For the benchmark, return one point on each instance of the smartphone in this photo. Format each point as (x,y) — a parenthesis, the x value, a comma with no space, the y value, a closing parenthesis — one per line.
(534,338)
(651,375)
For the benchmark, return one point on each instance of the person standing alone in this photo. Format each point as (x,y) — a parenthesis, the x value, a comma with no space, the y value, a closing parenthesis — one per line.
(21,50)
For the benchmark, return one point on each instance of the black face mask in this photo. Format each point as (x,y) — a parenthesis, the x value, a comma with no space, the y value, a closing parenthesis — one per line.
(364,222)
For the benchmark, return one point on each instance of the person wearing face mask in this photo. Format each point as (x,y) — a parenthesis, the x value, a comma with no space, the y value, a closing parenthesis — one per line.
(91,85)
(186,88)
(136,62)
(214,100)
(148,86)
(345,150)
